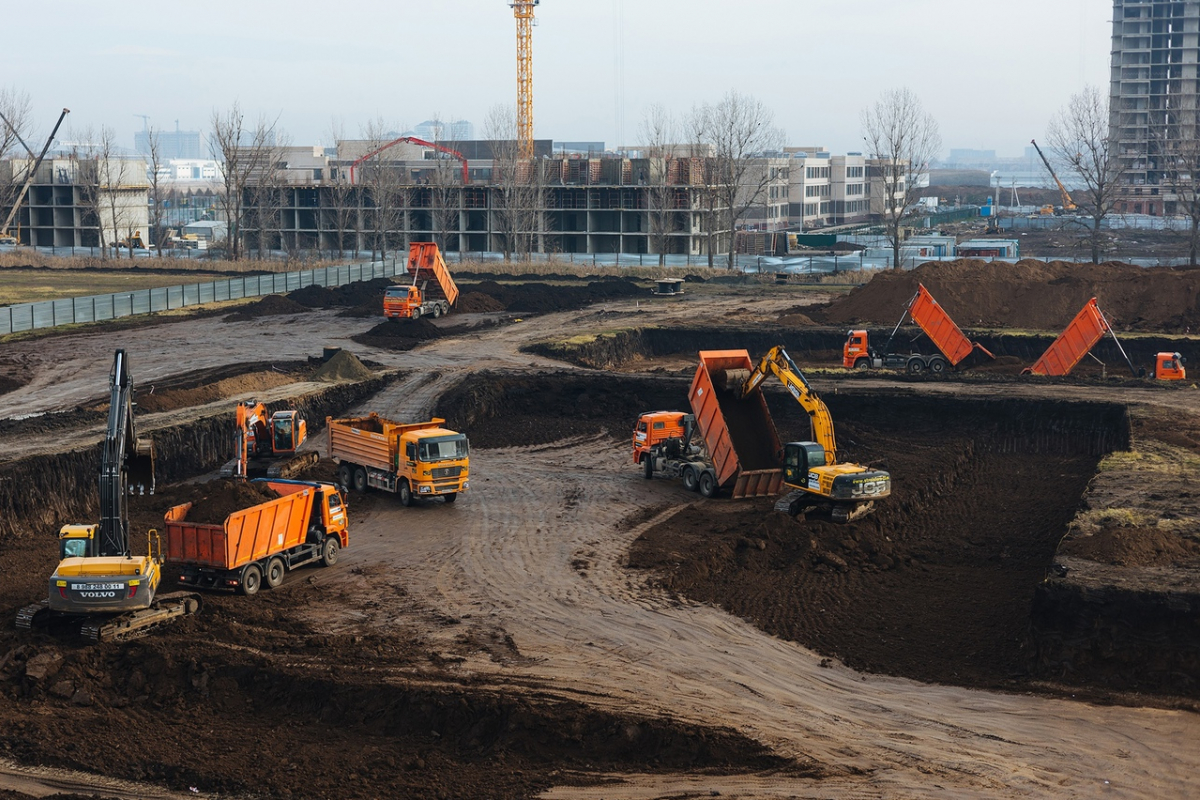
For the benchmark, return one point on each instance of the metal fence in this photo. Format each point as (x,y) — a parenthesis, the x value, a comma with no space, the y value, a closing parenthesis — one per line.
(95,308)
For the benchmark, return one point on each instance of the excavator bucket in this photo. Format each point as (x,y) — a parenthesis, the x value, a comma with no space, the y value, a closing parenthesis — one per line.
(139,467)
(1075,342)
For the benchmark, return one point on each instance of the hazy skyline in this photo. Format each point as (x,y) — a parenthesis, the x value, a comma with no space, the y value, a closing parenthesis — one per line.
(992,75)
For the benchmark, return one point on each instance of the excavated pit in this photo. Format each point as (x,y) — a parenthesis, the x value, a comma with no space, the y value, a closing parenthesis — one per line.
(939,584)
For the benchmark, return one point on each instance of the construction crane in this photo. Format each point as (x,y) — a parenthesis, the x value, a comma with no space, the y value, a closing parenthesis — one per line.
(419,143)
(5,237)
(1068,203)
(145,121)
(523,12)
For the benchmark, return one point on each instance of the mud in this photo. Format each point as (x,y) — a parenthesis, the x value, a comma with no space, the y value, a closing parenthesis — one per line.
(269,306)
(1032,294)
(217,499)
(400,334)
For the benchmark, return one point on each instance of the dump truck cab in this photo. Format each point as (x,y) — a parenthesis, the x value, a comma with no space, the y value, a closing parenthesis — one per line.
(434,461)
(855,351)
(1169,367)
(655,427)
(399,301)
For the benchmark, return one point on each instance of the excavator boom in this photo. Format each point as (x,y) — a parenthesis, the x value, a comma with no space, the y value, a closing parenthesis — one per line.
(1068,203)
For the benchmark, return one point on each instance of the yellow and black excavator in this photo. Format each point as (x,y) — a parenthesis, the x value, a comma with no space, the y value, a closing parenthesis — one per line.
(847,491)
(1068,205)
(100,588)
(266,444)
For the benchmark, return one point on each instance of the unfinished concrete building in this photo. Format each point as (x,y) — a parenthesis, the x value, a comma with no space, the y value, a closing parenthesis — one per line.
(1153,96)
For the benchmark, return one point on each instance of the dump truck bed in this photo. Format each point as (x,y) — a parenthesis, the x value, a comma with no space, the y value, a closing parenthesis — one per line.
(941,330)
(426,265)
(246,535)
(1075,342)
(374,441)
(739,434)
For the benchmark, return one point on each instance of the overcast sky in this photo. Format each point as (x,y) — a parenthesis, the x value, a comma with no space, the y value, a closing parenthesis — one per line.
(991,73)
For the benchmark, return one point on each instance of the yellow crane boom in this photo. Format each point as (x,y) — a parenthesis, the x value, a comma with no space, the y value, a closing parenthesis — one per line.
(523,12)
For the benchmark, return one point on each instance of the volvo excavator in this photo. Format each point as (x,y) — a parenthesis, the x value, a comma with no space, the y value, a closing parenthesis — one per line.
(265,445)
(100,588)
(846,491)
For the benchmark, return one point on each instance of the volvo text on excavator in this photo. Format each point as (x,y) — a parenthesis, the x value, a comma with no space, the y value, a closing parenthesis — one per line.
(846,491)
(100,587)
(266,445)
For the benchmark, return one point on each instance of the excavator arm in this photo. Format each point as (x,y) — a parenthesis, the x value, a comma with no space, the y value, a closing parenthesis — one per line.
(127,463)
(1068,203)
(780,364)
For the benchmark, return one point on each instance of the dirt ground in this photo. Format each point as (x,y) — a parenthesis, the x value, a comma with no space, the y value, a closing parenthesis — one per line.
(570,629)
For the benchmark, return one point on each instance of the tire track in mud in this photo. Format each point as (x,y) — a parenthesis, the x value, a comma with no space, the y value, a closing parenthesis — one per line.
(508,558)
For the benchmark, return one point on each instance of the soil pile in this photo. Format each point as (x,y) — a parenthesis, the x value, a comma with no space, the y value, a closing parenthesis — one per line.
(400,334)
(1032,294)
(359,293)
(541,298)
(222,498)
(478,303)
(206,386)
(269,306)
(796,317)
(344,366)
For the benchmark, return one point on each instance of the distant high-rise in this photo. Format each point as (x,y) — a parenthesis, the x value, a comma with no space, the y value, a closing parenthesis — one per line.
(1153,92)
(171,144)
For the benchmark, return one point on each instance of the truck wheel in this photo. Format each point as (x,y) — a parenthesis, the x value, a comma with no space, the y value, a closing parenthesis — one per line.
(938,365)
(251,580)
(647,467)
(708,485)
(915,366)
(329,551)
(690,481)
(406,498)
(862,363)
(450,498)
(416,313)
(275,572)
(437,310)
(345,475)
(360,479)
(445,309)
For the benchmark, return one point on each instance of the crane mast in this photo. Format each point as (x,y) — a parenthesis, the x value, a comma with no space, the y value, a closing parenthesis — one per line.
(523,12)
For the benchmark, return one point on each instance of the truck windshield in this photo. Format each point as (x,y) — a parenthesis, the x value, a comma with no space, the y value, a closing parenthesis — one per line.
(441,448)
(396,292)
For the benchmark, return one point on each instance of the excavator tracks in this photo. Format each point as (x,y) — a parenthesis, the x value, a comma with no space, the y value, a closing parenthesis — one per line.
(116,628)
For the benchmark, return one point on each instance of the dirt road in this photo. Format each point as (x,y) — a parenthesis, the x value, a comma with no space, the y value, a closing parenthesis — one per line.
(532,562)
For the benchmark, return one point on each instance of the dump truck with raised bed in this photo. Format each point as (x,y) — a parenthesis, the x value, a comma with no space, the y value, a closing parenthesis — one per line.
(100,588)
(266,445)
(432,291)
(843,490)
(308,523)
(737,448)
(414,460)
(955,350)
(1082,334)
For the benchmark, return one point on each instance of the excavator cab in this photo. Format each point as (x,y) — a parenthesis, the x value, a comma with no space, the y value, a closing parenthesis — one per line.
(76,541)
(798,459)
(1169,367)
(288,431)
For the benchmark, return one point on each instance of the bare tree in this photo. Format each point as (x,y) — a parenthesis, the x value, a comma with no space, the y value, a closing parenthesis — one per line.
(154,145)
(659,134)
(387,192)
(16,110)
(445,182)
(1079,137)
(244,154)
(1179,159)
(903,139)
(338,195)
(739,132)
(519,186)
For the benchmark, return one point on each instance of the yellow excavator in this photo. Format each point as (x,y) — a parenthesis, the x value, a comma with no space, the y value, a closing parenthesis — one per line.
(100,588)
(846,491)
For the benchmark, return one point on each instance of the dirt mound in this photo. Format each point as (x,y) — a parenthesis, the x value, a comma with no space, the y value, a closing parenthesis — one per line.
(1133,547)
(478,303)
(542,298)
(269,306)
(359,293)
(221,498)
(1032,294)
(796,317)
(206,386)
(344,366)
(400,334)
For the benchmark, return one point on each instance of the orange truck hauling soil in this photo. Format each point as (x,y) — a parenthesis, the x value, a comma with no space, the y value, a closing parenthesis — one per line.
(432,292)
(953,347)
(740,451)
(413,460)
(1082,334)
(306,524)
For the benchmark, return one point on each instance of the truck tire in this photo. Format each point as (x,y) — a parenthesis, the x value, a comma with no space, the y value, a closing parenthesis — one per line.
(451,497)
(406,496)
(862,363)
(437,310)
(647,467)
(275,572)
(445,309)
(916,365)
(345,475)
(708,484)
(251,580)
(938,366)
(330,551)
(360,479)
(690,481)
(417,312)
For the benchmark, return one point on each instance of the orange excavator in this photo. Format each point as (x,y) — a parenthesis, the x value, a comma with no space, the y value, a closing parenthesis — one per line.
(268,444)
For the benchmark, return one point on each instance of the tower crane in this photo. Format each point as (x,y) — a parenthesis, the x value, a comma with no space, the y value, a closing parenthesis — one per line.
(523,12)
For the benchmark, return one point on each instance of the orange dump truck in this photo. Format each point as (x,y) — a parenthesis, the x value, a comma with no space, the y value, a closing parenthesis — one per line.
(955,350)
(738,449)
(306,524)
(414,460)
(1082,334)
(432,292)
